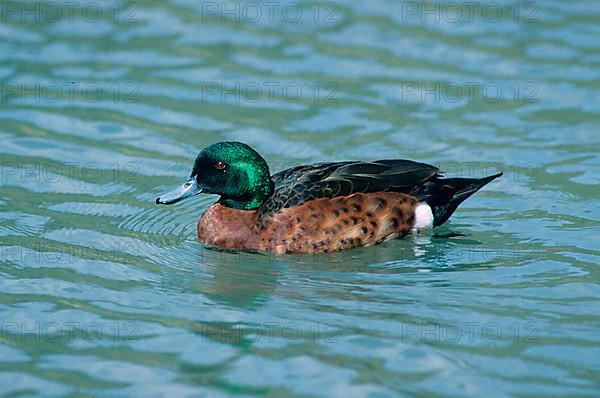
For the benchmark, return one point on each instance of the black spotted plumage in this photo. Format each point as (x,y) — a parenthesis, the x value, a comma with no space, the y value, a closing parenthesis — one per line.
(300,184)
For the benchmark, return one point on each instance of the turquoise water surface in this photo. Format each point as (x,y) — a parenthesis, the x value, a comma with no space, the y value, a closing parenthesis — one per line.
(105,105)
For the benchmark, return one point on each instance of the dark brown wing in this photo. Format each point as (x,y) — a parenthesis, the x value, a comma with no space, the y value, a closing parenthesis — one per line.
(300,184)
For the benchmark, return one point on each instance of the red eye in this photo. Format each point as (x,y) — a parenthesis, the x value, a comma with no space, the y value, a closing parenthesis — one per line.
(220,165)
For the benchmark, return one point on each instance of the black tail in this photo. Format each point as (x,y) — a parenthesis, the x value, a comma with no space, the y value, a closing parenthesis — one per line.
(445,195)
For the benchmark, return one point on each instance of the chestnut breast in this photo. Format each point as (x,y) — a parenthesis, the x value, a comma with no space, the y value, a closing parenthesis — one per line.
(316,226)
(228,228)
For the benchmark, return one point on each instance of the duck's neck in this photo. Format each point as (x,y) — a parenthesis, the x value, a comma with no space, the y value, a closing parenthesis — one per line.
(253,199)
(251,204)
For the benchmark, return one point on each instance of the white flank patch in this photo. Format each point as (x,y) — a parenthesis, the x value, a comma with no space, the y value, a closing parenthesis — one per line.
(423,217)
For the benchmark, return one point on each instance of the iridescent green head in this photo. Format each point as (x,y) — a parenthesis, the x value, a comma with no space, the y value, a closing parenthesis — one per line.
(230,169)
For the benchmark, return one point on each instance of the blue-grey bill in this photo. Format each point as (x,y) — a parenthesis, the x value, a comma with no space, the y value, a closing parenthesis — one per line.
(189,188)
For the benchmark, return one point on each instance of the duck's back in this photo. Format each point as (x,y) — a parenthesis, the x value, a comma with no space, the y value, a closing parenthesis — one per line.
(301,184)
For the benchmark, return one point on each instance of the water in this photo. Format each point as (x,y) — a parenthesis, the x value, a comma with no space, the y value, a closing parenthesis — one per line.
(104,293)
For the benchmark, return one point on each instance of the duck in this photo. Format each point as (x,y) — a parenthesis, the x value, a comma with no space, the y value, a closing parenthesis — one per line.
(316,208)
